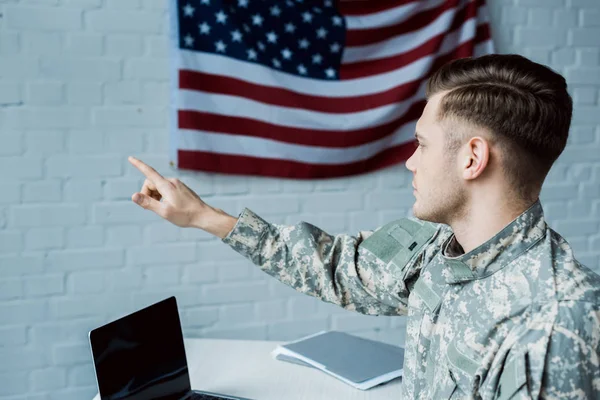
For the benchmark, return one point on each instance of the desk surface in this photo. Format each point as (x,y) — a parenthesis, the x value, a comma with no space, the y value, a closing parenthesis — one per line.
(246,368)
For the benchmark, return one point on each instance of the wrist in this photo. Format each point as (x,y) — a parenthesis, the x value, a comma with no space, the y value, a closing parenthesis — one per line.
(215,221)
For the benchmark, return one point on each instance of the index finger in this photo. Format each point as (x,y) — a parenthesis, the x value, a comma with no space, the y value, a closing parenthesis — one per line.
(149,172)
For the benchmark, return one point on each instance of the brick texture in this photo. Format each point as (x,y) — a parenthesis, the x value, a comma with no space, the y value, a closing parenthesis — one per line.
(85,83)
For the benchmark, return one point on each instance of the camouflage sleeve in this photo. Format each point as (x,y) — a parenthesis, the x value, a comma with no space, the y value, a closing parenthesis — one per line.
(573,360)
(334,268)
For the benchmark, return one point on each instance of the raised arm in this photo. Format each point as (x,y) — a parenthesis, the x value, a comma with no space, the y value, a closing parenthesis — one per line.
(371,273)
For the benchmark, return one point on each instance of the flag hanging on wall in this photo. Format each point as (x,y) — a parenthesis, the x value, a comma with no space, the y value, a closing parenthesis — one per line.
(309,88)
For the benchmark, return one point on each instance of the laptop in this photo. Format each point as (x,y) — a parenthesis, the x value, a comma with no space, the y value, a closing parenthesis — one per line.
(141,356)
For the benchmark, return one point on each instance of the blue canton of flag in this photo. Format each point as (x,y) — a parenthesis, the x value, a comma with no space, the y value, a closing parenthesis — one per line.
(304,38)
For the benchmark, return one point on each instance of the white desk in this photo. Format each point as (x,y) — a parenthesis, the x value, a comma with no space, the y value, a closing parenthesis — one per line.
(246,368)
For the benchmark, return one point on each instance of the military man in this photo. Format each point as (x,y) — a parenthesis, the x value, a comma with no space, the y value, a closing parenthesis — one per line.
(498,306)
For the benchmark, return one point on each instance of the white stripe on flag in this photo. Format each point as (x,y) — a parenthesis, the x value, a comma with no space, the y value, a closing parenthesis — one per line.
(234,106)
(267,148)
(392,16)
(261,75)
(486,47)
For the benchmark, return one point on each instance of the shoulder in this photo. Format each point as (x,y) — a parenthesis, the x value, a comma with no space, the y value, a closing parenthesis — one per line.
(555,274)
(574,281)
(409,235)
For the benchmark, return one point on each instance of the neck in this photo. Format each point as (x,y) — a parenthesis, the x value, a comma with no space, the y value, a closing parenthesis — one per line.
(484,220)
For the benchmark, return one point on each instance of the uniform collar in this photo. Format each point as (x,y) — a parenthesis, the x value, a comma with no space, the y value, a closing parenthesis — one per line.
(497,252)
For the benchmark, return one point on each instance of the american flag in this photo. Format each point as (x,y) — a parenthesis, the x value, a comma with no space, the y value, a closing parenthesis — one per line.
(309,88)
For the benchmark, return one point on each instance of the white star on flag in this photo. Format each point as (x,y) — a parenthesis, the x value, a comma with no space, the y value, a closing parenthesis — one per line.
(257,20)
(236,36)
(188,10)
(272,37)
(189,40)
(301,69)
(221,17)
(317,58)
(307,17)
(251,54)
(221,46)
(303,43)
(321,33)
(289,27)
(204,28)
(243,3)
(275,11)
(330,72)
(286,53)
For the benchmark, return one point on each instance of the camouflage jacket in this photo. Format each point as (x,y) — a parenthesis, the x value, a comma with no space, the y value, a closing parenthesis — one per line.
(517,317)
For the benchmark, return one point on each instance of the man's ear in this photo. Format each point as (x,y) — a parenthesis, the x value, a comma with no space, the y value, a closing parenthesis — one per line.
(476,158)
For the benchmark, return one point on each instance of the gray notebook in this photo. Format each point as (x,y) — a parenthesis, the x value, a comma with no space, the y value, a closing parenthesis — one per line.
(363,363)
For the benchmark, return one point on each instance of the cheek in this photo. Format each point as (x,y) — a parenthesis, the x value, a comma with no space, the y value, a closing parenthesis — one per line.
(425,162)
(419,158)
(434,172)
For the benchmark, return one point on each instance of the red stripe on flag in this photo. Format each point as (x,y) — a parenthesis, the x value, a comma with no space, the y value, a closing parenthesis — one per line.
(218,84)
(244,165)
(203,121)
(483,33)
(363,37)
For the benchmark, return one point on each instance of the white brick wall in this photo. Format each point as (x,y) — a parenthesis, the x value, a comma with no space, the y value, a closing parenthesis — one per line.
(84,83)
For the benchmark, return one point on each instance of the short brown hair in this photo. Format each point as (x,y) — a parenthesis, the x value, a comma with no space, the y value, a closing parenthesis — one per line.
(524,105)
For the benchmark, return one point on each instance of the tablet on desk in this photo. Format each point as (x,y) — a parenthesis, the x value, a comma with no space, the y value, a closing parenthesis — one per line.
(142,356)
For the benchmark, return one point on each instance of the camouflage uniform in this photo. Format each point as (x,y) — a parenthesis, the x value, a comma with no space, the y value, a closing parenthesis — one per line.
(517,317)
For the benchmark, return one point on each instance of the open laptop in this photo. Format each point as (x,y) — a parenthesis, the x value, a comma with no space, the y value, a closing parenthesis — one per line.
(142,356)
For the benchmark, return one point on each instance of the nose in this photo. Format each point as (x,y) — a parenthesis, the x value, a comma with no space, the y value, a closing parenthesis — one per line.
(410,163)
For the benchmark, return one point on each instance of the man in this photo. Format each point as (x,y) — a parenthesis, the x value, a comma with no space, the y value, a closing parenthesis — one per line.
(498,307)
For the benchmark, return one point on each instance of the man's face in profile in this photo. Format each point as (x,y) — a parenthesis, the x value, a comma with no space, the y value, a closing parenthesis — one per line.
(440,193)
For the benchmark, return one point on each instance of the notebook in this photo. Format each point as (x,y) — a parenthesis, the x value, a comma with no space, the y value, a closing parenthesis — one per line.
(361,363)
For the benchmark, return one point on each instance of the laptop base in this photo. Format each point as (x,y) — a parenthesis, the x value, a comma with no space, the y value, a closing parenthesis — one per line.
(201,395)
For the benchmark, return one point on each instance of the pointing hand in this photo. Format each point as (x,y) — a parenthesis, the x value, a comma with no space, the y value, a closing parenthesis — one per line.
(170,198)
